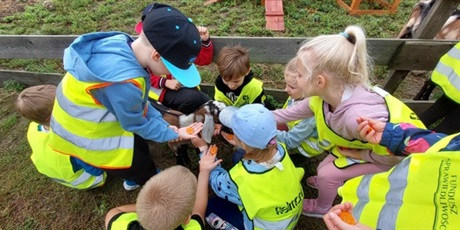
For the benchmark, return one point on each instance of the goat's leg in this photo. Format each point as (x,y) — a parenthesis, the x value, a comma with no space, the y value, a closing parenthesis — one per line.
(182,157)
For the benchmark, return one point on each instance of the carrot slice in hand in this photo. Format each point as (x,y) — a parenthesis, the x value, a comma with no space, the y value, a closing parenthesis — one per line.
(347,217)
(190,130)
(213,150)
(230,136)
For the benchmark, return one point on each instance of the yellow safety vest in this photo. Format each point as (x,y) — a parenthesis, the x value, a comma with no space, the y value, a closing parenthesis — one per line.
(421,192)
(398,112)
(124,220)
(85,129)
(309,147)
(58,166)
(447,73)
(273,198)
(247,96)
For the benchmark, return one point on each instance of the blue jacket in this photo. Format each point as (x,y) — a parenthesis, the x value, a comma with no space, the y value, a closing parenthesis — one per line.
(108,57)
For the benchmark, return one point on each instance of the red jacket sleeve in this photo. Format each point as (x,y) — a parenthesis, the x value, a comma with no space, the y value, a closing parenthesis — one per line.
(206,54)
(158,81)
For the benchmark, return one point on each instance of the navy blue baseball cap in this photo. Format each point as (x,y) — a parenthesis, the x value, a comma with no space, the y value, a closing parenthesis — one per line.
(176,39)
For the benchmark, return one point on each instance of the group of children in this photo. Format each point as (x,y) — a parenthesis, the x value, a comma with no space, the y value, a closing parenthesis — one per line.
(100,121)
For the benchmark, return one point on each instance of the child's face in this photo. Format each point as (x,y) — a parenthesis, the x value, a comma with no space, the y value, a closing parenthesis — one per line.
(234,83)
(292,88)
(304,81)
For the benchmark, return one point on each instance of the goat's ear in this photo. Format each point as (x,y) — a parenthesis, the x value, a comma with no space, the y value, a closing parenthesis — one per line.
(208,128)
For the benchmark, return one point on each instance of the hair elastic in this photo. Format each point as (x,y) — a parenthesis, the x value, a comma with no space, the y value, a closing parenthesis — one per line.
(345,35)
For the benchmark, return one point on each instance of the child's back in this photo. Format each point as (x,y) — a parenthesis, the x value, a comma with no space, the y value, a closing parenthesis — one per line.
(35,103)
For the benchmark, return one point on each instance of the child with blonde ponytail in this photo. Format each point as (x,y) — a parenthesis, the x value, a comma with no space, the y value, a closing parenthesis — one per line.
(335,72)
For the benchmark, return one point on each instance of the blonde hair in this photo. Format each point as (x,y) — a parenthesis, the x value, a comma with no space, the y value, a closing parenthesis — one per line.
(167,199)
(290,70)
(342,57)
(233,62)
(36,103)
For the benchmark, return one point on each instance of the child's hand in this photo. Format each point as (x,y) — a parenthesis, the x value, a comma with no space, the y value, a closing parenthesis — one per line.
(334,222)
(370,130)
(208,161)
(204,33)
(230,138)
(217,128)
(172,84)
(190,131)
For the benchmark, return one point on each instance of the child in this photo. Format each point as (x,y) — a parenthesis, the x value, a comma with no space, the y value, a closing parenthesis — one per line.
(167,90)
(236,85)
(169,199)
(262,191)
(302,134)
(102,115)
(447,107)
(426,180)
(334,73)
(35,103)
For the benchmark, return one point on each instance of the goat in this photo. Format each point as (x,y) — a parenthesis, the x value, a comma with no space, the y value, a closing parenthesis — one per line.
(450,29)
(208,114)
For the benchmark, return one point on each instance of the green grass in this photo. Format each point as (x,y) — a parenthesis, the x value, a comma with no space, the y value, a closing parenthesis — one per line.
(32,201)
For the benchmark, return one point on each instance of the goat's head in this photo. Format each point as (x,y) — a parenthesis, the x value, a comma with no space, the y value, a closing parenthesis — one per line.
(208,114)
(419,13)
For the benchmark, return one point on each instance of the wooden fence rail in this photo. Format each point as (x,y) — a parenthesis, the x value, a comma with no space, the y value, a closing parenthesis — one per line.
(395,54)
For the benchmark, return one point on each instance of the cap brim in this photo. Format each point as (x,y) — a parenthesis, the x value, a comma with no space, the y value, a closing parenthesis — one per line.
(225,116)
(138,28)
(187,77)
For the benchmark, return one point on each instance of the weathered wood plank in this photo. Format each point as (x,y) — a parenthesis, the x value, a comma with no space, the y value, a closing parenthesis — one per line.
(420,55)
(435,19)
(430,26)
(32,78)
(262,49)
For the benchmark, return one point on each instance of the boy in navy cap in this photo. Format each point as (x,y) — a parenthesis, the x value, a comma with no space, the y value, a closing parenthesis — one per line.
(102,115)
(168,90)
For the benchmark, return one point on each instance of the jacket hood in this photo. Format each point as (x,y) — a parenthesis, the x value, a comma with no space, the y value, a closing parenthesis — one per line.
(102,57)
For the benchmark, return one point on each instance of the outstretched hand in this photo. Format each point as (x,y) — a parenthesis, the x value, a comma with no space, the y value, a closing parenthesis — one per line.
(230,138)
(208,160)
(370,130)
(190,131)
(334,222)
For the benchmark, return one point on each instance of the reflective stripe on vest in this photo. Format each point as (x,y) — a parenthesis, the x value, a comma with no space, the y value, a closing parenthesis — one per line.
(155,93)
(397,110)
(421,192)
(85,129)
(247,96)
(310,146)
(447,73)
(273,198)
(58,166)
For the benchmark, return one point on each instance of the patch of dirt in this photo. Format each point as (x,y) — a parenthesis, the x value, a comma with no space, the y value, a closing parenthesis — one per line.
(10,7)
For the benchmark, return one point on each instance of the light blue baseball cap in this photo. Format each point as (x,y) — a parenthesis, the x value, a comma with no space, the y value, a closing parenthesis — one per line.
(253,124)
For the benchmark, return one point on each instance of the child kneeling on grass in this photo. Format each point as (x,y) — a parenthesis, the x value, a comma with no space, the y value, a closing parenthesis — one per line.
(172,199)
(35,103)
(263,190)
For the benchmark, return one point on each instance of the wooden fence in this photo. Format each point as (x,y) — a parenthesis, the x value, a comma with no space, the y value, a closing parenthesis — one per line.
(395,54)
